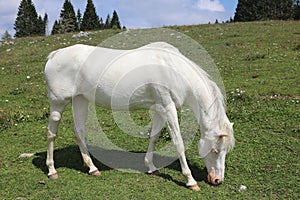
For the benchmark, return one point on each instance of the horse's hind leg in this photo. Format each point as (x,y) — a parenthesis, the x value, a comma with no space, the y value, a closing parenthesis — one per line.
(157,124)
(80,111)
(56,110)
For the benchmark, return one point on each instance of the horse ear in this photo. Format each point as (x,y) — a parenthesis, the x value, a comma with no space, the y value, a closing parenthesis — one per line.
(204,147)
(224,131)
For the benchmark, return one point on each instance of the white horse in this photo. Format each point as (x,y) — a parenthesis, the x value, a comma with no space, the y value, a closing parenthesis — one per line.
(156,76)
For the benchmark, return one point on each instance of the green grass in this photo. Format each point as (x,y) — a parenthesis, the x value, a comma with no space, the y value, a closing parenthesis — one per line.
(261,59)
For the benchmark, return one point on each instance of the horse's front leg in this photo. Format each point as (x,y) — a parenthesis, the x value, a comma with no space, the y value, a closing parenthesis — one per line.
(173,126)
(157,124)
(80,110)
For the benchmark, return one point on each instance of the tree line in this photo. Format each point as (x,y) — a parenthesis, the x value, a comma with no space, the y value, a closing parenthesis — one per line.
(257,10)
(29,23)
(71,22)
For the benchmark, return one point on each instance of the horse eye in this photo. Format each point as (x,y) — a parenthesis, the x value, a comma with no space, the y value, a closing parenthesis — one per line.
(214,150)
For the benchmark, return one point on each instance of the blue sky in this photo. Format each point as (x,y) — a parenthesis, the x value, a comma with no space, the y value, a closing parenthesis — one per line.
(133,13)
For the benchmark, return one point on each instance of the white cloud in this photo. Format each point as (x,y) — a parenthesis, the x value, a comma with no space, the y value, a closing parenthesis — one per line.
(214,5)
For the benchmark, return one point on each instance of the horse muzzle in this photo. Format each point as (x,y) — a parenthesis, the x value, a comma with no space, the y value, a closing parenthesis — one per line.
(213,178)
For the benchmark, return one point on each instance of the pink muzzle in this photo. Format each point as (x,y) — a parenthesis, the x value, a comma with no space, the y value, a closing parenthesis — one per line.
(213,178)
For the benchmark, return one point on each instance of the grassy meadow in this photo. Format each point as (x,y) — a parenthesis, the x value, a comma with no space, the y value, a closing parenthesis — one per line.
(260,66)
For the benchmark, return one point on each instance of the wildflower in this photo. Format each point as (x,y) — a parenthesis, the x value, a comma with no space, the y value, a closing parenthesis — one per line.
(242,187)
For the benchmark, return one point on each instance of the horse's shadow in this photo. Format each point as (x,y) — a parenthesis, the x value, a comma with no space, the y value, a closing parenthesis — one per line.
(70,157)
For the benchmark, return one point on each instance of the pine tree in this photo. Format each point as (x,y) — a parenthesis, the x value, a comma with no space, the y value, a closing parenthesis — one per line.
(277,9)
(79,19)
(46,21)
(55,28)
(297,10)
(28,22)
(107,24)
(254,10)
(101,23)
(115,22)
(68,20)
(40,26)
(90,20)
(286,10)
(245,11)
(6,36)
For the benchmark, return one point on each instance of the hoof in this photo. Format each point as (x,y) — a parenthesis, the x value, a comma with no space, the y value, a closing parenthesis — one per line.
(95,173)
(156,173)
(53,176)
(194,187)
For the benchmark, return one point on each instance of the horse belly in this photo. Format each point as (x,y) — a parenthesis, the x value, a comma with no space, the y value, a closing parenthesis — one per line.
(124,99)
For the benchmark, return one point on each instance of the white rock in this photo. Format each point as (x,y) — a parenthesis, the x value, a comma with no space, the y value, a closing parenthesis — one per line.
(26,155)
(81,34)
(242,188)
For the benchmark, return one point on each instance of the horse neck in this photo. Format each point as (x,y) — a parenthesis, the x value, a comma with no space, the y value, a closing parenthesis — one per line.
(210,107)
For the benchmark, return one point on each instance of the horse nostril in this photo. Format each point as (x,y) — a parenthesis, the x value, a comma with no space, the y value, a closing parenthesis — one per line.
(217,181)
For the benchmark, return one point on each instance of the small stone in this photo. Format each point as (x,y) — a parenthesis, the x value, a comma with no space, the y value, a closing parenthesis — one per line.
(42,182)
(242,188)
(26,155)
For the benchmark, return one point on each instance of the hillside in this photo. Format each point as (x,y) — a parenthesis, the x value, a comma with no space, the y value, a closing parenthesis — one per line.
(259,65)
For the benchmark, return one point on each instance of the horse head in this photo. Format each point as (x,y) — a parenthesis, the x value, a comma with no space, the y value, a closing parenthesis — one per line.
(213,148)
